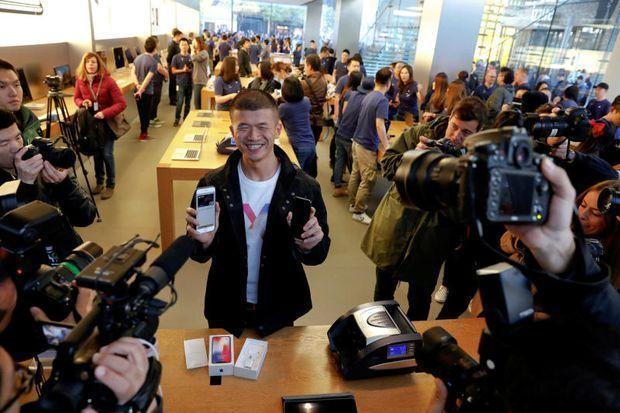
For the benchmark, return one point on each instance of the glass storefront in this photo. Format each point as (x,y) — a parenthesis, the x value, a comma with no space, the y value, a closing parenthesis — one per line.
(253,17)
(389,32)
(549,37)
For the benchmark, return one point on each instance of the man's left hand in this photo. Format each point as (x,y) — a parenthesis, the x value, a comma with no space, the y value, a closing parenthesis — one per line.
(99,115)
(52,175)
(312,235)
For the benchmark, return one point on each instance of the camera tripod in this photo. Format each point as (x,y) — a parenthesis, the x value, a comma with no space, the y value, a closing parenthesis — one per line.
(68,132)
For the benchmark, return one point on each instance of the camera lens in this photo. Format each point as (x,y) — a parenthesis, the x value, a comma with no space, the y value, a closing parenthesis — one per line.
(609,201)
(428,180)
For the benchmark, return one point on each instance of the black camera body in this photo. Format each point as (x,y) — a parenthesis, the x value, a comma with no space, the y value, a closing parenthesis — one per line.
(28,235)
(498,180)
(446,146)
(609,201)
(53,82)
(59,157)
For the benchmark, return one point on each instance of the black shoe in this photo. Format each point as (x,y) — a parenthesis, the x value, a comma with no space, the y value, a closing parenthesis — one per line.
(173,103)
(176,123)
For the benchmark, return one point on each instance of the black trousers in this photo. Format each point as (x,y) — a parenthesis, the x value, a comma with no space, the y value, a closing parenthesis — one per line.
(145,105)
(172,88)
(459,276)
(418,294)
(157,89)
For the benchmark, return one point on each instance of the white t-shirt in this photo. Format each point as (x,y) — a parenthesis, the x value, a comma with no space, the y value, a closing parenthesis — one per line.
(256,197)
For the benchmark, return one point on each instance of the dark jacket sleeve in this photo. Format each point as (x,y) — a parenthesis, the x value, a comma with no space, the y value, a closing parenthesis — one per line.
(391,159)
(495,102)
(72,201)
(586,170)
(318,254)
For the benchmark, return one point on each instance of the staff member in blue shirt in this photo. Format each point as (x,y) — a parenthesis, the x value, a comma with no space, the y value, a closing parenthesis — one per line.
(407,98)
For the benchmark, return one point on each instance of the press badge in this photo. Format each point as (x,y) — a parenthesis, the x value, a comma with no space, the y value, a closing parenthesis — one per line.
(96,107)
(177,88)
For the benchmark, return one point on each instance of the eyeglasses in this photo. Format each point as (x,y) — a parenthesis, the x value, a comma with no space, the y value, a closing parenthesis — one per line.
(24,379)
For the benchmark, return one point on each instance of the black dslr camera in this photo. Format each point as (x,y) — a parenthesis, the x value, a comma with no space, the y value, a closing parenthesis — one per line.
(609,201)
(28,238)
(59,157)
(498,180)
(53,82)
(572,123)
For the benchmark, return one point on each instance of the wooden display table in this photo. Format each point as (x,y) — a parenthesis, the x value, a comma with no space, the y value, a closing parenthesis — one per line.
(169,170)
(207,95)
(298,362)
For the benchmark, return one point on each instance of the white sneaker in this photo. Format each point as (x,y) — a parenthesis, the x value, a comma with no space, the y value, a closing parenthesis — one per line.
(351,209)
(157,120)
(363,218)
(441,295)
(155,125)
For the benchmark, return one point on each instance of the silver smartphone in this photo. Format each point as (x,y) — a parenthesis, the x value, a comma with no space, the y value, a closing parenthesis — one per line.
(205,209)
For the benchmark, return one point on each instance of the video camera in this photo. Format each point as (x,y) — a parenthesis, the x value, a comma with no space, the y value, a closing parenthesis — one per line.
(125,307)
(609,202)
(498,180)
(59,157)
(53,82)
(29,236)
(572,123)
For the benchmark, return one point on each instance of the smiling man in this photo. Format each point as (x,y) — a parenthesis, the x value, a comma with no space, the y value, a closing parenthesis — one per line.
(256,278)
(411,245)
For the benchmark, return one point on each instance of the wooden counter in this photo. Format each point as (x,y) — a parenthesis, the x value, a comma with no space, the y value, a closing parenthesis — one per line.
(298,362)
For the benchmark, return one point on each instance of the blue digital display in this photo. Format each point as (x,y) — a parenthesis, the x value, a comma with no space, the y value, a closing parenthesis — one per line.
(397,350)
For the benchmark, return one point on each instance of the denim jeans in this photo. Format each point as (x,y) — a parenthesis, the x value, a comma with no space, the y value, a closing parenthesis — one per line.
(197,96)
(184,95)
(343,158)
(105,157)
(306,155)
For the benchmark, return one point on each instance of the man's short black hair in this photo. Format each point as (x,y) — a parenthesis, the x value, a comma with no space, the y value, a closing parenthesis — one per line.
(509,75)
(243,41)
(346,51)
(572,92)
(7,119)
(312,41)
(383,76)
(324,49)
(252,100)
(4,65)
(184,39)
(314,61)
(354,59)
(176,32)
(150,45)
(470,108)
(292,90)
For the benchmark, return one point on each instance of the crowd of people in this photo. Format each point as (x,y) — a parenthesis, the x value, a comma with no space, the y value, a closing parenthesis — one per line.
(257,278)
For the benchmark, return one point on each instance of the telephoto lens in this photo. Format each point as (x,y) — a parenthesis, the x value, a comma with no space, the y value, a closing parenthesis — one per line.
(609,201)
(573,124)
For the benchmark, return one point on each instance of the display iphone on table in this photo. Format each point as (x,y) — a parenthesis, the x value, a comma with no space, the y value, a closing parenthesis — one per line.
(205,209)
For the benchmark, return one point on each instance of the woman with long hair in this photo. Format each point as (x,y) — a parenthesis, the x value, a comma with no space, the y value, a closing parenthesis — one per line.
(434,102)
(200,74)
(602,226)
(456,92)
(407,96)
(227,84)
(265,81)
(96,90)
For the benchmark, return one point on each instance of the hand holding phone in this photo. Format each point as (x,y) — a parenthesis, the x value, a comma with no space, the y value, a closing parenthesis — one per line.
(193,222)
(205,209)
(301,215)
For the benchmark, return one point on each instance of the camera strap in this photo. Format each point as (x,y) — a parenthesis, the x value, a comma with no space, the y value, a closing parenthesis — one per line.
(92,93)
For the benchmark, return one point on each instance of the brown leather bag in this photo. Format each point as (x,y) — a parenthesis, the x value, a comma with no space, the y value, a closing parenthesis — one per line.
(119,125)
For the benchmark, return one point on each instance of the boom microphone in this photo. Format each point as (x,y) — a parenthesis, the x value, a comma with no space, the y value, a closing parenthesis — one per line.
(165,267)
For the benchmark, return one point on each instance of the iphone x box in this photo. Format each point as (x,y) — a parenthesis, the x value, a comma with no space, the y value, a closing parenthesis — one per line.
(221,355)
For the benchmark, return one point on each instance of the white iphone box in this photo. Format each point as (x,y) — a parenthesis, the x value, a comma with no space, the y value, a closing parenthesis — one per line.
(251,358)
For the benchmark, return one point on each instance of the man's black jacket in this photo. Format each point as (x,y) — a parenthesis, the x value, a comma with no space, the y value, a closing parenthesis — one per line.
(283,291)
(245,69)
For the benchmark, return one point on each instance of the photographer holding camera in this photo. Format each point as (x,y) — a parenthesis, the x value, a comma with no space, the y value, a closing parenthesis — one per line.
(411,245)
(121,366)
(11,99)
(566,359)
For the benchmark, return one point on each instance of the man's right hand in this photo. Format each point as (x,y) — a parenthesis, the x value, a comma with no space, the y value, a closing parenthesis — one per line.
(206,238)
(87,103)
(423,143)
(28,170)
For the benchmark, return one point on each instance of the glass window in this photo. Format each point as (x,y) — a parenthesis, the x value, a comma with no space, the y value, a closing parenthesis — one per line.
(389,32)
(551,38)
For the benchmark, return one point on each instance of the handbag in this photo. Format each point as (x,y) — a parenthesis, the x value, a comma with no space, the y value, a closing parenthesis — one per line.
(119,125)
(314,118)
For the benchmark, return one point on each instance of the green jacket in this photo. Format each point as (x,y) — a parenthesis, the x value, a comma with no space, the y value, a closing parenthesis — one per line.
(28,124)
(400,239)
